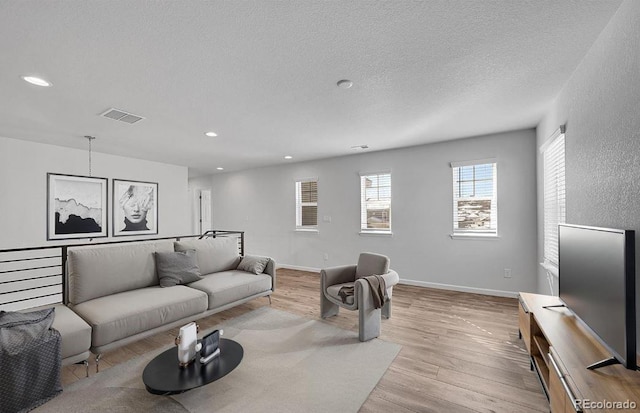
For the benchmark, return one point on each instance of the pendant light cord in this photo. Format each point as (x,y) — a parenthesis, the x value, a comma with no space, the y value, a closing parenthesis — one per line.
(90,138)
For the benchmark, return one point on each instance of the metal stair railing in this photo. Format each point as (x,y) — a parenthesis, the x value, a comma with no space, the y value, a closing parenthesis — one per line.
(36,276)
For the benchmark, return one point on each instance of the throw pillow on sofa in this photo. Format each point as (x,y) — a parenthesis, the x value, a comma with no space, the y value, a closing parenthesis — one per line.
(254,264)
(175,268)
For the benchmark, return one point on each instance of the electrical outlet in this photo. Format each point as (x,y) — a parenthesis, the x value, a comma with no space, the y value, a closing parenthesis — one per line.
(326,256)
(326,218)
(507,273)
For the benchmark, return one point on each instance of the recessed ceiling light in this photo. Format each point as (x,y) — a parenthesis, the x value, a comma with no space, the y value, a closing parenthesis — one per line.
(211,134)
(36,81)
(345,83)
(220,168)
(288,157)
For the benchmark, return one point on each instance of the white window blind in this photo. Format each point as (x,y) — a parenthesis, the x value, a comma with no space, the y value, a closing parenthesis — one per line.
(475,206)
(375,205)
(554,195)
(306,204)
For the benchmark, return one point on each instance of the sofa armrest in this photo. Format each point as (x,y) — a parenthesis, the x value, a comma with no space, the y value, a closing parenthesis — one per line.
(270,269)
(337,275)
(391,278)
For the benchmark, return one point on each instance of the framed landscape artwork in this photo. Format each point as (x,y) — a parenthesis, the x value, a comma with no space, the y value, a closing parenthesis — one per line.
(135,207)
(76,207)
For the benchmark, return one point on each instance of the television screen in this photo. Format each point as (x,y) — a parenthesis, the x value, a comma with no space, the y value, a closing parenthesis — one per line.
(597,283)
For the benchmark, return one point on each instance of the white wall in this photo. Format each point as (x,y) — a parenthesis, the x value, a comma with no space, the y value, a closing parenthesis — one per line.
(600,105)
(261,202)
(23,185)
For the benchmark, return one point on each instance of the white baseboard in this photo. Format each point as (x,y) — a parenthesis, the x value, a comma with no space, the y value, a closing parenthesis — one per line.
(474,290)
(298,267)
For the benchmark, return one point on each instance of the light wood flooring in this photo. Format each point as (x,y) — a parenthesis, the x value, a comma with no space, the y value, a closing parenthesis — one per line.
(461,352)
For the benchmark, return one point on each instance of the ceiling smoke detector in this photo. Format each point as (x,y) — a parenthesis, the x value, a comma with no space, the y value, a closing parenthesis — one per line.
(121,115)
(344,83)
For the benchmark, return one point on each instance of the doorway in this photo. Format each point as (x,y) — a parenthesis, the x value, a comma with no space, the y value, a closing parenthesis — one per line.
(203,220)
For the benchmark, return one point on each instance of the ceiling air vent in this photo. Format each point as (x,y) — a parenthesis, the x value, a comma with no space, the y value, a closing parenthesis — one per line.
(121,115)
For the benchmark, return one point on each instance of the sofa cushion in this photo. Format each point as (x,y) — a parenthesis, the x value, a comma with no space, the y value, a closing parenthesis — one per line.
(100,270)
(228,286)
(214,254)
(75,332)
(177,267)
(254,264)
(333,290)
(131,312)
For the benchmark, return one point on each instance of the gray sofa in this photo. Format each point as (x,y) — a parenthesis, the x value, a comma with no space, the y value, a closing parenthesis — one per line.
(115,288)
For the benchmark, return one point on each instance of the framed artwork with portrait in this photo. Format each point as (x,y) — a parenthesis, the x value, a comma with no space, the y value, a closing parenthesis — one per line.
(76,207)
(135,208)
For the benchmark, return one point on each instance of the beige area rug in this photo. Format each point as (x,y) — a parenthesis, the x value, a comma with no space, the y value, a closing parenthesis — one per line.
(290,364)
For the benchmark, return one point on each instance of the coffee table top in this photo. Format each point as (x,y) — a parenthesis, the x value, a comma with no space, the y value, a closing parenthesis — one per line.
(164,376)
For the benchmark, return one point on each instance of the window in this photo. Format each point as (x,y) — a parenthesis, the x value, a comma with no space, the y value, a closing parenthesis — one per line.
(475,207)
(375,205)
(307,204)
(553,196)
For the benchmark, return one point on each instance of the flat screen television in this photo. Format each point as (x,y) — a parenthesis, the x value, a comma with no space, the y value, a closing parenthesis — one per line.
(597,283)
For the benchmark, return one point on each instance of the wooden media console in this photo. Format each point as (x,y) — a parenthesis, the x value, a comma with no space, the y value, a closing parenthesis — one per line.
(561,348)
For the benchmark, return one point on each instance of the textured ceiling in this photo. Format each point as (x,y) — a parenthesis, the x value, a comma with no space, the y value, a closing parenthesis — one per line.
(262,74)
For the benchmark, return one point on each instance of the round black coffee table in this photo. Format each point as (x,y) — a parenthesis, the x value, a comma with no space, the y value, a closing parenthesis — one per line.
(164,376)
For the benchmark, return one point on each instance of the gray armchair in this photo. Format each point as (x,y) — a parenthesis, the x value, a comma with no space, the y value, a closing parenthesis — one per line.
(334,278)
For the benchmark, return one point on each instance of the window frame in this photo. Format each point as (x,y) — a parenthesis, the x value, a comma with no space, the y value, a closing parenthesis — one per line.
(492,232)
(554,206)
(364,229)
(299,204)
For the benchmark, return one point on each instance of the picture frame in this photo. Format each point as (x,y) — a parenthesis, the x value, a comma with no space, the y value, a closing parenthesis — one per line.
(76,207)
(135,208)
